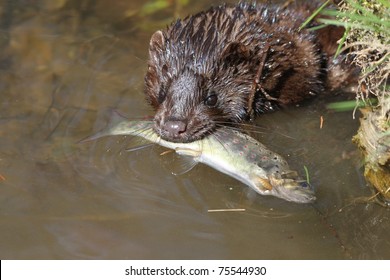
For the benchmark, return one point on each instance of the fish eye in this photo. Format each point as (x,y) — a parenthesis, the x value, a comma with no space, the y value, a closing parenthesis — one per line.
(304,185)
(211,99)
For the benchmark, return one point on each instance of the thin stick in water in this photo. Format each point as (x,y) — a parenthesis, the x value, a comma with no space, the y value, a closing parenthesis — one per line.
(226,210)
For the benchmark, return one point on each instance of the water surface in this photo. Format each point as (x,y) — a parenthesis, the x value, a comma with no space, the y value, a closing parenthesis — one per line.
(64,65)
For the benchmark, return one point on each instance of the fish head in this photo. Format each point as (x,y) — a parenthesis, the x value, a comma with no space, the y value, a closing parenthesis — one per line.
(295,190)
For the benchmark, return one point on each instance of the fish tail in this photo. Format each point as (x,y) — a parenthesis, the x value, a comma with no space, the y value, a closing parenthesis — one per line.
(118,125)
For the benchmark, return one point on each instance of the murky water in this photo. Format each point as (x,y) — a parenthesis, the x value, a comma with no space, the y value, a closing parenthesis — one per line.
(63,66)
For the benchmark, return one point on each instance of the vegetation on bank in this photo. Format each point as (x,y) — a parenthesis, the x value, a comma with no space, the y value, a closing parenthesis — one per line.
(367,39)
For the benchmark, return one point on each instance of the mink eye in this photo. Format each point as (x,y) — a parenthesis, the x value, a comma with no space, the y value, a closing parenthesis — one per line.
(211,100)
(161,95)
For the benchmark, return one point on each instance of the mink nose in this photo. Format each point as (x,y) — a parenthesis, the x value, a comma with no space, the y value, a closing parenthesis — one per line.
(174,128)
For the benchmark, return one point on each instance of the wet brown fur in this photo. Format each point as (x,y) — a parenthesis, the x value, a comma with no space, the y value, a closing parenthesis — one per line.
(251,56)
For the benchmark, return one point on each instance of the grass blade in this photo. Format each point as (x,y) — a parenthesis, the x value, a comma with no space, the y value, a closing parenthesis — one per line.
(312,16)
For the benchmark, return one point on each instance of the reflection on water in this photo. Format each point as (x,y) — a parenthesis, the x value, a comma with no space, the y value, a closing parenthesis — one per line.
(63,66)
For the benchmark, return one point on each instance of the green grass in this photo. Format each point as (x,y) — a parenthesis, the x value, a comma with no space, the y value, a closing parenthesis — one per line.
(313,15)
(307,174)
(351,104)
(355,17)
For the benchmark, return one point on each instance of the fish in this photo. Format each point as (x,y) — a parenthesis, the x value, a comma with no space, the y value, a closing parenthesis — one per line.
(228,151)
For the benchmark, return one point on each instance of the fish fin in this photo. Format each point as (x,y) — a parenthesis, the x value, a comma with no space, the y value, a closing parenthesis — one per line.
(166,152)
(178,164)
(188,152)
(261,184)
(265,183)
(183,164)
(114,120)
(289,174)
(117,125)
(92,137)
(140,147)
(136,143)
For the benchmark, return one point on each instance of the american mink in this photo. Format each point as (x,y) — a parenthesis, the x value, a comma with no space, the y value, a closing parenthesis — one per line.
(230,63)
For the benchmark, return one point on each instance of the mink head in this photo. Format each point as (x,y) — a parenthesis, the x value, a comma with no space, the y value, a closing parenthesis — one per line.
(203,70)
(196,81)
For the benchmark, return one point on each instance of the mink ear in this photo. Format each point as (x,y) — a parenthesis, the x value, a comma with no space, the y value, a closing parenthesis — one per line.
(157,42)
(234,53)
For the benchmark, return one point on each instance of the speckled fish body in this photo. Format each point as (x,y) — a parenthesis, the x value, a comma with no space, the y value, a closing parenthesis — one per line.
(231,152)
